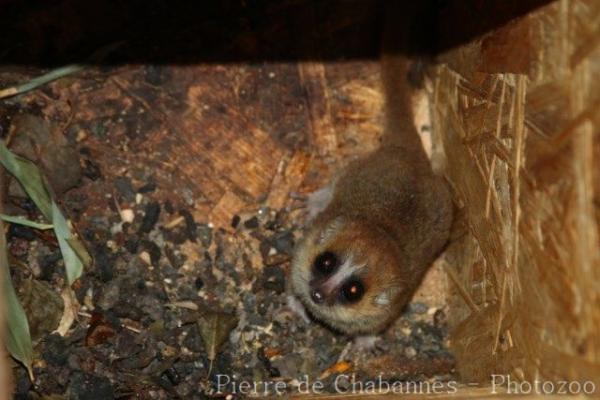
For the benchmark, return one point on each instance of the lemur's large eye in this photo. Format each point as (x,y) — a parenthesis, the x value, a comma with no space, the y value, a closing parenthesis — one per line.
(326,263)
(353,290)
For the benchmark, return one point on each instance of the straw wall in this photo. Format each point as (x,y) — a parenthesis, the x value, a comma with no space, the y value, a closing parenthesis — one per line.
(518,116)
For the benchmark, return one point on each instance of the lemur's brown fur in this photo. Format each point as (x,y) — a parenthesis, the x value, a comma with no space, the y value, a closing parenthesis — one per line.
(387,219)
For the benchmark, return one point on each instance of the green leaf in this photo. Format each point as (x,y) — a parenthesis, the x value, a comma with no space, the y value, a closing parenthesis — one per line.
(18,338)
(25,222)
(80,250)
(40,80)
(73,264)
(29,176)
(58,73)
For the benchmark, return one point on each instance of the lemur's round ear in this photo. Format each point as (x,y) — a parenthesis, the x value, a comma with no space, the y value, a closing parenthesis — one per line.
(385,297)
(331,229)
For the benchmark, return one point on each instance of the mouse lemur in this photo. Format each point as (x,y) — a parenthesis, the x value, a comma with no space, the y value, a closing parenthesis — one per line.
(377,227)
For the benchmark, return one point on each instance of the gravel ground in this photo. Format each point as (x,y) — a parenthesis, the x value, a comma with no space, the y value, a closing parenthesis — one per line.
(166,295)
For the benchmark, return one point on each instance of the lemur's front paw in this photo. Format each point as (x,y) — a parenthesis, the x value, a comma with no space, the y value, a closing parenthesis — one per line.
(297,308)
(313,203)
(366,342)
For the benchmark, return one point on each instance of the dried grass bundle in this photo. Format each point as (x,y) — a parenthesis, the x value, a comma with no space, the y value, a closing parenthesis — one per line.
(517,112)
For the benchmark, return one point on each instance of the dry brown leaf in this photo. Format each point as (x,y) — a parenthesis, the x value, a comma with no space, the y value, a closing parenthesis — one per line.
(188,305)
(42,305)
(69,312)
(337,368)
(99,331)
(271,352)
(214,327)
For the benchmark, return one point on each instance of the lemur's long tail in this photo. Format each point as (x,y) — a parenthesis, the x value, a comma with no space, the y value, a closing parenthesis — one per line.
(399,74)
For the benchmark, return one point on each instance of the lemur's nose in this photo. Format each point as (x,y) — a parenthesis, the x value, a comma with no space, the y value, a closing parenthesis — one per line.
(317,296)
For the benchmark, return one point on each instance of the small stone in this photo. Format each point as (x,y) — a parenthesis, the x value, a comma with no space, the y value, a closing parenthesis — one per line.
(190,225)
(172,375)
(131,244)
(289,365)
(127,215)
(249,300)
(439,318)
(417,308)
(47,261)
(205,234)
(283,242)
(248,336)
(103,262)
(145,257)
(274,278)
(56,350)
(125,189)
(91,170)
(410,352)
(18,247)
(43,307)
(273,372)
(43,143)
(22,384)
(343,383)
(198,283)
(89,387)
(147,188)
(153,251)
(263,307)
(277,259)
(109,295)
(175,257)
(188,196)
(194,341)
(185,390)
(251,223)
(151,215)
(21,232)
(255,319)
